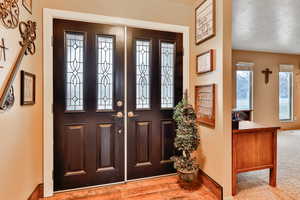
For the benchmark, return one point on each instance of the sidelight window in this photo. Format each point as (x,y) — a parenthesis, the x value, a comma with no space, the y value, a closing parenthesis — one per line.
(167,74)
(74,71)
(143,74)
(105,72)
(285,94)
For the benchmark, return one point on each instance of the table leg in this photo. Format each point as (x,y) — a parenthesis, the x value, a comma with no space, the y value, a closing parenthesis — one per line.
(234,184)
(273,177)
(273,171)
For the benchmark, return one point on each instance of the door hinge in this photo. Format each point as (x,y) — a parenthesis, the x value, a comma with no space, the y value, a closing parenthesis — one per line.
(52,108)
(52,41)
(52,174)
(183,52)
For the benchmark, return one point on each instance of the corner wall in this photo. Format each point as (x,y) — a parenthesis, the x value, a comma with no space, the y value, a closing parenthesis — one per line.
(266,97)
(214,154)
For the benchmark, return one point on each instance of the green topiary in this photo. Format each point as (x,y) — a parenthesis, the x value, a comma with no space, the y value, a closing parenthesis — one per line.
(187,138)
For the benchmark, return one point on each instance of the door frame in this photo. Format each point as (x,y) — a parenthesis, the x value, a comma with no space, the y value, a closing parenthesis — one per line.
(48,16)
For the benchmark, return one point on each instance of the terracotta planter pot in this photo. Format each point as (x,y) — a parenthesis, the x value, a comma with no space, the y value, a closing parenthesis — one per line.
(188,176)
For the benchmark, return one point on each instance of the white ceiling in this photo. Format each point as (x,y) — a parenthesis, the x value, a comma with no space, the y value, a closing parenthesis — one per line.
(267,25)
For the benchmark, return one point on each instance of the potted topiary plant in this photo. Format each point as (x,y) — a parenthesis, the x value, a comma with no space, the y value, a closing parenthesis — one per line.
(186,141)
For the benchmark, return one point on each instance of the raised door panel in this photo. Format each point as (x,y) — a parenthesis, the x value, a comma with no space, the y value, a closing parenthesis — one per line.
(74,149)
(105,147)
(143,143)
(167,141)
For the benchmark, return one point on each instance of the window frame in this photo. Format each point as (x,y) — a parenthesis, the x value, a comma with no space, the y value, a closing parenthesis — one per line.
(291,96)
(250,88)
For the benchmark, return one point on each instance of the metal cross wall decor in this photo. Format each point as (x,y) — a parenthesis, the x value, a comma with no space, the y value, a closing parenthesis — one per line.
(9,13)
(28,34)
(2,50)
(267,73)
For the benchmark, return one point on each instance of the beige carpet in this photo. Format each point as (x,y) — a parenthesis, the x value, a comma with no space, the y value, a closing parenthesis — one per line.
(254,185)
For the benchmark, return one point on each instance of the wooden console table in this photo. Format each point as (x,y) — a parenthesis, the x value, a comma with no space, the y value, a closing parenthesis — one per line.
(254,147)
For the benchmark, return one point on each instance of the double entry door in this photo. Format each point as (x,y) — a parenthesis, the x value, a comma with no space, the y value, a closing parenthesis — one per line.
(113,115)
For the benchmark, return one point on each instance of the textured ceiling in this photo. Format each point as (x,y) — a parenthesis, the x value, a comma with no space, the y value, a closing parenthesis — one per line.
(267,25)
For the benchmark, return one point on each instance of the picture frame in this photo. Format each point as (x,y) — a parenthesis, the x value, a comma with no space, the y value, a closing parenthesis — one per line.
(27,88)
(205,104)
(27,4)
(205,62)
(205,21)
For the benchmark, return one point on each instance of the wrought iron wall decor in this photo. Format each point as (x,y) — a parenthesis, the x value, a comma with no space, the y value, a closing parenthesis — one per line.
(27,4)
(2,50)
(28,34)
(10,13)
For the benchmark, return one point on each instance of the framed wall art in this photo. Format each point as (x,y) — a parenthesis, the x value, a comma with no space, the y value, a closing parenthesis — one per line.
(205,104)
(27,4)
(205,15)
(27,88)
(205,62)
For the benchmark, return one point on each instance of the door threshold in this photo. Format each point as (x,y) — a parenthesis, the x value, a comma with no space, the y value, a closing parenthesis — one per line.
(110,184)
(150,177)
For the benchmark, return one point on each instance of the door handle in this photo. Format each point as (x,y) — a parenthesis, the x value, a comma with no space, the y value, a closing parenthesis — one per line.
(132,115)
(119,115)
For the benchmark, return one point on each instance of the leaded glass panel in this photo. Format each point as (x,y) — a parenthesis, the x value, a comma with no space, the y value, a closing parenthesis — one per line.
(74,71)
(142,74)
(167,74)
(105,72)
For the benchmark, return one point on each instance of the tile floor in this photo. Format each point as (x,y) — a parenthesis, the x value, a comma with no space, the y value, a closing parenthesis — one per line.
(165,188)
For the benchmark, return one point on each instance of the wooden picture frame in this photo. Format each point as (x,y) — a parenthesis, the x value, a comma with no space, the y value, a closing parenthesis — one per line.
(205,62)
(27,4)
(205,104)
(205,21)
(27,88)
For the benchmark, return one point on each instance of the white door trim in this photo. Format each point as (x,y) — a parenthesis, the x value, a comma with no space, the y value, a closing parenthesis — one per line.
(48,16)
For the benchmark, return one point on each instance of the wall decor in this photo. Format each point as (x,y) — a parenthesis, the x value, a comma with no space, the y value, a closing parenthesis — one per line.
(27,4)
(10,13)
(27,88)
(205,62)
(267,73)
(2,50)
(205,15)
(205,104)
(28,35)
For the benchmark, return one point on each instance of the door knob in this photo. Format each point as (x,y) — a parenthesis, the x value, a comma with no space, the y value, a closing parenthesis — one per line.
(132,115)
(118,115)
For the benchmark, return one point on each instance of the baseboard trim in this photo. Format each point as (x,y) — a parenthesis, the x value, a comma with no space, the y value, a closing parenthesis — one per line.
(37,193)
(211,184)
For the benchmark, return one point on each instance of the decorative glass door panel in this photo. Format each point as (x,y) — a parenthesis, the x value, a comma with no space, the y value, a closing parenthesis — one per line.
(75,49)
(167,64)
(143,52)
(105,72)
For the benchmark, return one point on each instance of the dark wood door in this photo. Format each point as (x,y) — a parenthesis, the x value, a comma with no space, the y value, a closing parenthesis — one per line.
(154,88)
(88,83)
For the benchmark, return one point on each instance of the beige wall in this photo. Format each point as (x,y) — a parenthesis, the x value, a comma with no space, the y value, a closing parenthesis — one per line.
(215,150)
(21,127)
(266,97)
